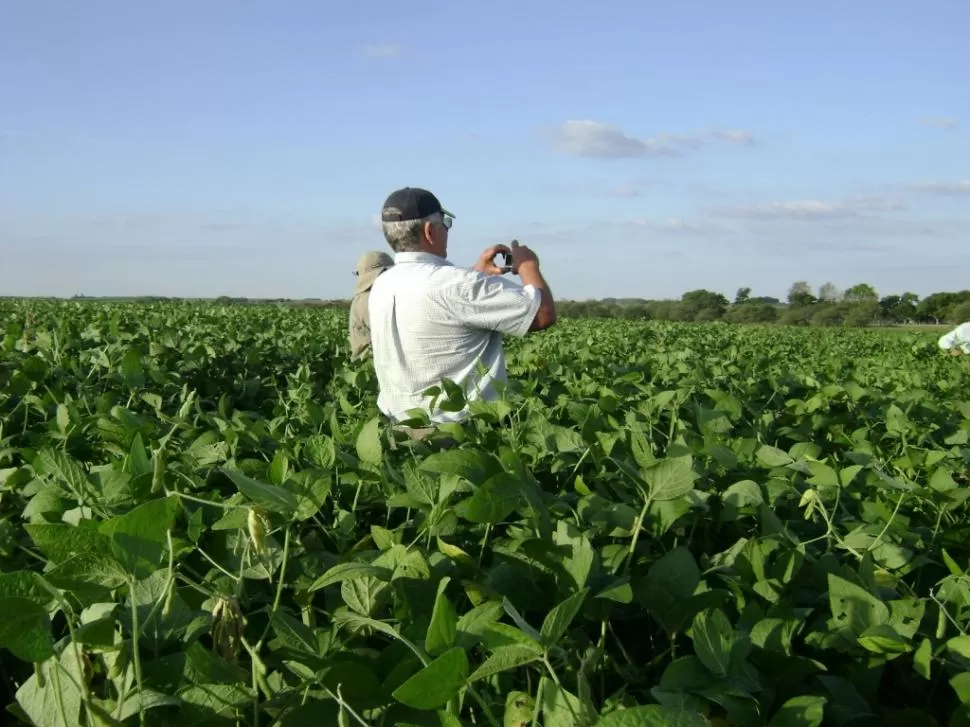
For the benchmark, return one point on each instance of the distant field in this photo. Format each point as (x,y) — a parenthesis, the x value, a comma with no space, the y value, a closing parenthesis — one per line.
(202,523)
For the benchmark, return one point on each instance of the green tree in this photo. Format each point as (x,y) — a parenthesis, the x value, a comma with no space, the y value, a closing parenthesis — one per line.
(742,296)
(899,308)
(752,313)
(828,292)
(960,313)
(859,315)
(695,301)
(861,293)
(934,308)
(800,295)
(827,315)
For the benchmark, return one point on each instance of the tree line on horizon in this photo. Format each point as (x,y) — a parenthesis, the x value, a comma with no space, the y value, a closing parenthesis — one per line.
(859,305)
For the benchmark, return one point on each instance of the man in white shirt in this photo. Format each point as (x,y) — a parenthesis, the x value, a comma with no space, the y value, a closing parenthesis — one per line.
(956,341)
(431,320)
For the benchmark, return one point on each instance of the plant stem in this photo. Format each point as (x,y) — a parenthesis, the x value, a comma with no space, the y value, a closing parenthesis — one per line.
(135,649)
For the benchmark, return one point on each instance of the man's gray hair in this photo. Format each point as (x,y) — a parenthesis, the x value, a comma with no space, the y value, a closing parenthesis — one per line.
(407,236)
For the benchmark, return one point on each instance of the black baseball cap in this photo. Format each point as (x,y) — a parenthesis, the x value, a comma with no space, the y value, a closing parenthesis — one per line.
(411,203)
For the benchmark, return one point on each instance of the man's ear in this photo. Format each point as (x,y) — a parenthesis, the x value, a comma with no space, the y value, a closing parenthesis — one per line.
(428,233)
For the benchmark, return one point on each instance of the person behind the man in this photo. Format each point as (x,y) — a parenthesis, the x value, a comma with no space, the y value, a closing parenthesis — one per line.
(956,341)
(369,267)
(431,320)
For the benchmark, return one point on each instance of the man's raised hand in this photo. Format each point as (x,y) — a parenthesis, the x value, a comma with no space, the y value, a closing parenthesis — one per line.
(486,263)
(522,255)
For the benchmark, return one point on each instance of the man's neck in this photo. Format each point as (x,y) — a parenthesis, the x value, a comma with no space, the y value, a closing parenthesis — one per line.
(424,256)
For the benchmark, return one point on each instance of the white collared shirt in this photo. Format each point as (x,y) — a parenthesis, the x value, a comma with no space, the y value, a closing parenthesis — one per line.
(431,320)
(959,337)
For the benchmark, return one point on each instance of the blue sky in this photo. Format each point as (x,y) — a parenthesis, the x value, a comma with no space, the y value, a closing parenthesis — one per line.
(643,149)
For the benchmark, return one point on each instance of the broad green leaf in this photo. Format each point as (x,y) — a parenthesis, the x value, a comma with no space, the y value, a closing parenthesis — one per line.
(557,621)
(315,488)
(421,486)
(670,478)
(343,571)
(959,646)
(279,468)
(456,554)
(923,659)
(320,450)
(961,687)
(560,708)
(505,658)
(143,701)
(773,457)
(714,638)
(473,465)
(211,701)
(139,462)
(99,634)
(580,556)
(745,493)
(365,594)
(670,581)
(883,639)
(31,586)
(519,709)
(270,497)
(65,471)
(472,625)
(81,554)
(293,632)
(47,706)
(369,449)
(853,609)
(132,370)
(443,629)
(803,711)
(493,501)
(653,715)
(823,475)
(63,418)
(413,565)
(139,538)
(436,683)
(357,622)
(25,630)
(619,591)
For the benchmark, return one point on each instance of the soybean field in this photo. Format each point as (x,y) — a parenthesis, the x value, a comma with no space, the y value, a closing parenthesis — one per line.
(203,522)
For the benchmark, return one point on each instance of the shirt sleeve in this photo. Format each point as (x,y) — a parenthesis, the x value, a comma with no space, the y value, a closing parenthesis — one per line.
(948,340)
(494,303)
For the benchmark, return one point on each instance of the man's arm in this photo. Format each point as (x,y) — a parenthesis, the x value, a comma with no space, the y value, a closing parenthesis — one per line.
(494,293)
(546,315)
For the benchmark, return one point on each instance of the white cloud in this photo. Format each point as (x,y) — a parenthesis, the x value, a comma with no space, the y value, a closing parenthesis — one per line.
(734,136)
(813,209)
(625,190)
(601,141)
(388,50)
(670,224)
(596,140)
(950,189)
(948,123)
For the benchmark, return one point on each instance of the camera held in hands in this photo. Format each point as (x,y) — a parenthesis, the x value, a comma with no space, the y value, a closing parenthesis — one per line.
(504,260)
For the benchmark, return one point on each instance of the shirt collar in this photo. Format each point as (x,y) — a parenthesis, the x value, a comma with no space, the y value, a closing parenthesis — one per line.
(419,257)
